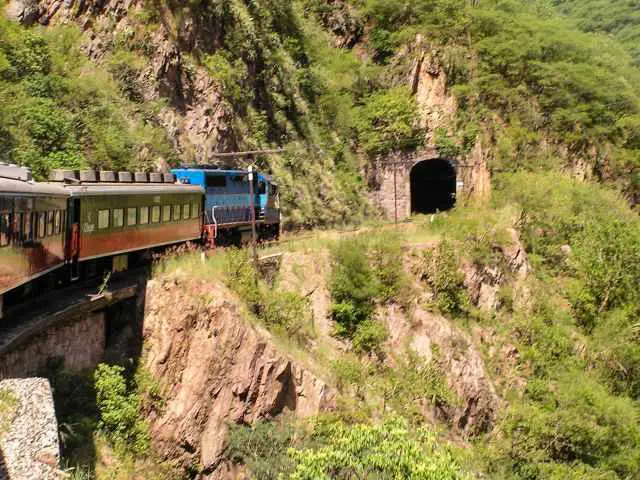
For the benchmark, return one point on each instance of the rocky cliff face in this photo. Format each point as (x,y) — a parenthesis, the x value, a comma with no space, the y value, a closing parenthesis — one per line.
(194,115)
(214,370)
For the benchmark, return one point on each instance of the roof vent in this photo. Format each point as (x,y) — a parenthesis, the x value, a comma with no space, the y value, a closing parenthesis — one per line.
(155,177)
(169,178)
(15,172)
(61,175)
(107,176)
(141,177)
(88,176)
(125,177)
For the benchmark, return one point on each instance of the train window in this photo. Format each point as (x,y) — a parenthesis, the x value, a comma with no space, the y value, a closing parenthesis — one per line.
(132,216)
(216,181)
(42,224)
(166,213)
(262,188)
(176,212)
(17,227)
(118,217)
(5,229)
(186,211)
(26,227)
(195,210)
(50,224)
(103,219)
(57,222)
(155,214)
(143,215)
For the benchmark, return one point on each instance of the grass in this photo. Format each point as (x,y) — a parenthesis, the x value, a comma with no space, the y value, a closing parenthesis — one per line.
(8,403)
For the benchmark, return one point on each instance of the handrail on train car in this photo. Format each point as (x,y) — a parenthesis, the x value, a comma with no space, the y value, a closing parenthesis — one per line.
(215,221)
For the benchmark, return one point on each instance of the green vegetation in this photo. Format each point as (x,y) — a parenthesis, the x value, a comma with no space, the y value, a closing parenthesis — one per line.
(285,312)
(8,403)
(263,448)
(365,273)
(619,18)
(439,270)
(331,449)
(387,121)
(99,412)
(61,111)
(120,409)
(386,451)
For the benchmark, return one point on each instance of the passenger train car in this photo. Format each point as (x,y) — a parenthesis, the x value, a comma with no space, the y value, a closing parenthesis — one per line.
(33,221)
(83,223)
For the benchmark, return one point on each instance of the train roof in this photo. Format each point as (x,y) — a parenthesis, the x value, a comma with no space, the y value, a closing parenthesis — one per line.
(206,169)
(106,189)
(30,188)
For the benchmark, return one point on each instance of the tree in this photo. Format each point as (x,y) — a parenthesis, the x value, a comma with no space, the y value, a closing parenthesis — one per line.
(386,451)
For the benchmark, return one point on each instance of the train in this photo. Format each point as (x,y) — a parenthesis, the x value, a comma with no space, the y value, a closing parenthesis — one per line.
(80,224)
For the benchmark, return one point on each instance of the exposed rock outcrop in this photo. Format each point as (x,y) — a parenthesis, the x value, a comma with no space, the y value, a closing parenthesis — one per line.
(429,84)
(461,362)
(215,369)
(337,17)
(484,282)
(29,447)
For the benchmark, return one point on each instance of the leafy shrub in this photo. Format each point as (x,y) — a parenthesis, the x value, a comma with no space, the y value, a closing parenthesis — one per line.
(386,451)
(284,310)
(242,277)
(352,284)
(578,424)
(263,448)
(369,336)
(385,251)
(349,372)
(413,380)
(439,269)
(289,311)
(606,257)
(383,47)
(388,121)
(119,409)
(231,75)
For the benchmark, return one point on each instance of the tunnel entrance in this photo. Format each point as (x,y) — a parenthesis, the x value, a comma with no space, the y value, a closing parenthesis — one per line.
(433,186)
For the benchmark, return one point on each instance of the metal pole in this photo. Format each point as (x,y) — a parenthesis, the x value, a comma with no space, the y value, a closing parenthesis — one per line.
(254,242)
(395,195)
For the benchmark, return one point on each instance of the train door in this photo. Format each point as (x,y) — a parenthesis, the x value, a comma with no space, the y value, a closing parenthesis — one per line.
(73,238)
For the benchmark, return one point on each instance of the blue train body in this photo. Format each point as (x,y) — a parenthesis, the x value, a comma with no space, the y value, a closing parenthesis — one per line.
(228,200)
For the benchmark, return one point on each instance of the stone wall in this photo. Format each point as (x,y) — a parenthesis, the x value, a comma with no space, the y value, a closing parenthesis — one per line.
(390,182)
(81,342)
(28,431)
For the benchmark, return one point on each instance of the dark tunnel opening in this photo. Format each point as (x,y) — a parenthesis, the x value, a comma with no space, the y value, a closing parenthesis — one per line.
(433,186)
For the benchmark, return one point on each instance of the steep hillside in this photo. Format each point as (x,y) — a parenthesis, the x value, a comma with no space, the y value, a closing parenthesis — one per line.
(338,84)
(619,18)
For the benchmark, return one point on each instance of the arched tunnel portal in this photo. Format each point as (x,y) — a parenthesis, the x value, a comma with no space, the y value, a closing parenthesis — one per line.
(433,186)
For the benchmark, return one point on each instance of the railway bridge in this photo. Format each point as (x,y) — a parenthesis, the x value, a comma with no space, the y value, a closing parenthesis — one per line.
(74,328)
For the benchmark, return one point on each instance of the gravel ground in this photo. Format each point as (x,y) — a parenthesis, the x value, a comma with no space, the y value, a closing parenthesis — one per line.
(29,447)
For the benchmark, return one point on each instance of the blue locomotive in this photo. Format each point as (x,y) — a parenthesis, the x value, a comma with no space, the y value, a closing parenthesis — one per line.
(229,203)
